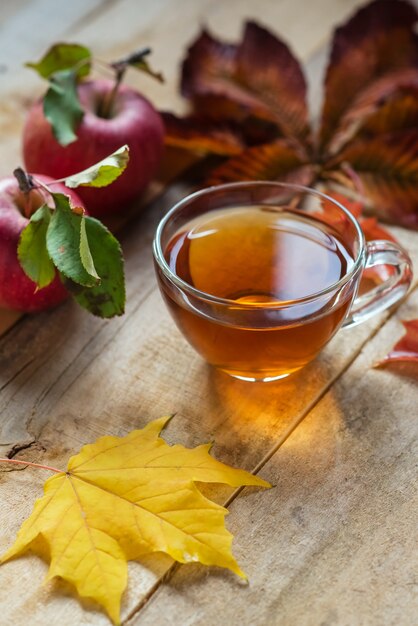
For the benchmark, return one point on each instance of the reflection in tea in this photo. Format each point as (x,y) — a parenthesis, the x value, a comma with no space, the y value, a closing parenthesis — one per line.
(262,258)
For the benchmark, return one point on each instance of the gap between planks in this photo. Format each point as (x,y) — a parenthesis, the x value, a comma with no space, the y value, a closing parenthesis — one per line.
(80,372)
(273,450)
(91,16)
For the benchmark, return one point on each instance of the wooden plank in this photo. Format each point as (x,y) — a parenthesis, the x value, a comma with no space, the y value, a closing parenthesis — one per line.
(25,34)
(68,378)
(55,371)
(9,8)
(335,541)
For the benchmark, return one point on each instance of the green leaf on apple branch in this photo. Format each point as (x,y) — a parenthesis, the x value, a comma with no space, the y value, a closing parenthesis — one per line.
(63,56)
(32,251)
(62,107)
(138,61)
(85,253)
(103,173)
(145,67)
(64,243)
(108,298)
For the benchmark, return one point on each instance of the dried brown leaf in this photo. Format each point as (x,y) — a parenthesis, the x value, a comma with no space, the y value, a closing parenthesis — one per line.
(280,160)
(376,43)
(368,134)
(369,104)
(398,113)
(258,77)
(201,135)
(387,166)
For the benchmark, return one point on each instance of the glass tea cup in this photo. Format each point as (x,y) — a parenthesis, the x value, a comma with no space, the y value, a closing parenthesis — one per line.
(259,276)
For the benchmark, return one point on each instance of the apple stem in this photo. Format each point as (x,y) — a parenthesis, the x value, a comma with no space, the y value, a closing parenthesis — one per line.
(45,467)
(107,103)
(135,59)
(25,181)
(26,185)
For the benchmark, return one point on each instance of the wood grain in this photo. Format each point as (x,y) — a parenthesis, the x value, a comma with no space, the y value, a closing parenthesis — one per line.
(335,541)
(67,378)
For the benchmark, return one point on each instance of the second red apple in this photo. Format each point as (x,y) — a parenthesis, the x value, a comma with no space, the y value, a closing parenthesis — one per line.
(17,291)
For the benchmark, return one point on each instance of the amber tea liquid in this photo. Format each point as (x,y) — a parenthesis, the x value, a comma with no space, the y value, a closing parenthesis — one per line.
(262,258)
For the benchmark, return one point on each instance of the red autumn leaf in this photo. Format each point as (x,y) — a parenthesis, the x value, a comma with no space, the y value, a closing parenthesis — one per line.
(258,77)
(376,42)
(354,206)
(371,228)
(201,135)
(388,168)
(280,160)
(406,350)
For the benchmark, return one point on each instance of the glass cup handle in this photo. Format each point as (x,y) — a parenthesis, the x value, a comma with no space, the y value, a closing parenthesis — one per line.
(391,290)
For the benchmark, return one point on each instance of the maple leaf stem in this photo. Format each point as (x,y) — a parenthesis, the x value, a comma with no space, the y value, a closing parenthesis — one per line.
(45,467)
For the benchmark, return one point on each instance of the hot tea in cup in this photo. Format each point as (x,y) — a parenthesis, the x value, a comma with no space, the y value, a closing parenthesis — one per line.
(259,276)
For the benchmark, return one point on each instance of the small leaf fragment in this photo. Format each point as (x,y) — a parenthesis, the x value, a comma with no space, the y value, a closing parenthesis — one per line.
(63,56)
(123,497)
(406,349)
(138,61)
(103,173)
(354,206)
(106,299)
(371,229)
(63,240)
(62,107)
(32,251)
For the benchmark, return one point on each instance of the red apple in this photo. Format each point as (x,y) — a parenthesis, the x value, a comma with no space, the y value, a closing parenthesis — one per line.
(17,291)
(133,121)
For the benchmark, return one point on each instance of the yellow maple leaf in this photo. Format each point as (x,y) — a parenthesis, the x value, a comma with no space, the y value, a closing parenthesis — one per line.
(123,497)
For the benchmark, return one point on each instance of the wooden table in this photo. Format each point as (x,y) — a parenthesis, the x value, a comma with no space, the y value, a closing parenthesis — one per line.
(334,543)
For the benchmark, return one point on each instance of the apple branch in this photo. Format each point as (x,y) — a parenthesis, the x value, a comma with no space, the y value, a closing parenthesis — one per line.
(135,59)
(105,109)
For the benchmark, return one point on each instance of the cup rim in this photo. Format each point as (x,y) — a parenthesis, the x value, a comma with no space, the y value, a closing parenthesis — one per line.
(202,295)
